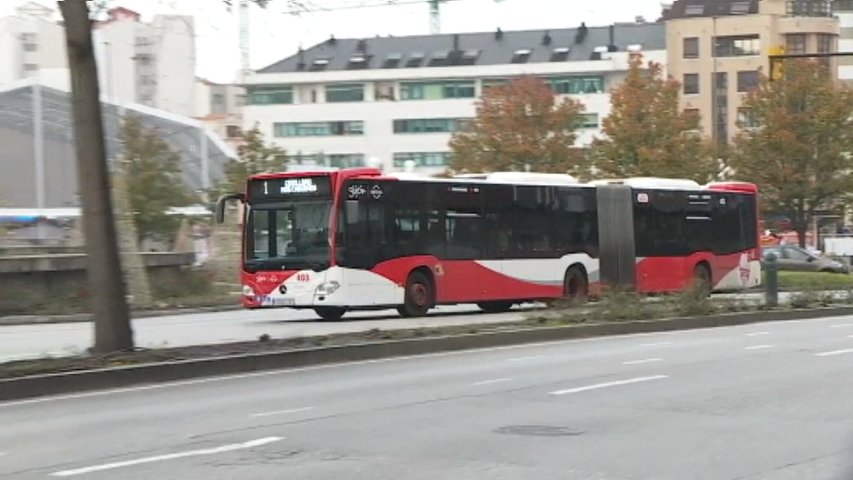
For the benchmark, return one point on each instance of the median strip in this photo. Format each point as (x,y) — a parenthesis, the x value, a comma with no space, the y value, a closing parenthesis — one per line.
(151,368)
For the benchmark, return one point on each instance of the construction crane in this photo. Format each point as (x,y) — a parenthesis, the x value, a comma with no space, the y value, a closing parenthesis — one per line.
(298,7)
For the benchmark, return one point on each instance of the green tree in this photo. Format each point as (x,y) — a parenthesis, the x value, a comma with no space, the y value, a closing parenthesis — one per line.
(647,133)
(155,184)
(798,145)
(254,156)
(519,124)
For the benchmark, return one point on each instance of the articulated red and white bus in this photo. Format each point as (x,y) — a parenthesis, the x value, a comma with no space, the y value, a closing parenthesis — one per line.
(359,239)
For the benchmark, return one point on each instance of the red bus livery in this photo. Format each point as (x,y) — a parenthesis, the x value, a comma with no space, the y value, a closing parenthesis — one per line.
(358,239)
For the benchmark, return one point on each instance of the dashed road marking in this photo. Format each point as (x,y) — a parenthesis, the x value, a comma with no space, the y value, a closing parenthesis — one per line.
(655,344)
(841,325)
(757,334)
(171,456)
(281,412)
(525,359)
(643,361)
(758,347)
(834,353)
(609,384)
(491,382)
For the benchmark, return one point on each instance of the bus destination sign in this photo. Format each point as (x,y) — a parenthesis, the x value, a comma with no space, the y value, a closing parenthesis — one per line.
(289,188)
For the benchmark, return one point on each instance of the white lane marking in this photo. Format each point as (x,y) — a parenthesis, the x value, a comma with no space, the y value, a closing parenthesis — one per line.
(655,344)
(609,384)
(757,334)
(525,359)
(171,456)
(640,362)
(490,382)
(3,454)
(834,352)
(841,325)
(281,412)
(758,347)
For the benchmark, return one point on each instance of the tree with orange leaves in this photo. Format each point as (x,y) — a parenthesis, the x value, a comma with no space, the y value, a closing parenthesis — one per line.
(798,146)
(647,133)
(520,125)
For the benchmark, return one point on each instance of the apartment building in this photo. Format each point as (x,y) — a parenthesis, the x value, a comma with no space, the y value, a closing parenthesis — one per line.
(718,49)
(220,107)
(148,63)
(395,101)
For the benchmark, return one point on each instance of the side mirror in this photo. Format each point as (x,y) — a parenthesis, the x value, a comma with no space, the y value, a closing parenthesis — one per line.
(220,204)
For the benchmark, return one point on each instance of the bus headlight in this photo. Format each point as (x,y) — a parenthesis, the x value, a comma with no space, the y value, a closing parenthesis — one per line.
(328,288)
(247,291)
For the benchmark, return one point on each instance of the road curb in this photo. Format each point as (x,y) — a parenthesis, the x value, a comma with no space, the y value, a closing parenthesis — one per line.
(12,320)
(75,382)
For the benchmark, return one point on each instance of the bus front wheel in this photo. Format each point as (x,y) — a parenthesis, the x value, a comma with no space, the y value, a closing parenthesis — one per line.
(575,284)
(418,297)
(330,313)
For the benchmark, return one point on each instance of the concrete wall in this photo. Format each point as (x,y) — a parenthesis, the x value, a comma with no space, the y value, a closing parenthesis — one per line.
(31,282)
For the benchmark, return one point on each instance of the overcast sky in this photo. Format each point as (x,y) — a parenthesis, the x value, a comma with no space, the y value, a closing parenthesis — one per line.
(276,33)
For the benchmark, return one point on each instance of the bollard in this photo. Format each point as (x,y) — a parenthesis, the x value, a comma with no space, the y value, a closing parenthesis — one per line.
(771,283)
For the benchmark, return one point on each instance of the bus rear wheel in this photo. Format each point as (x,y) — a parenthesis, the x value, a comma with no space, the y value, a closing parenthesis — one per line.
(495,307)
(330,313)
(418,296)
(575,284)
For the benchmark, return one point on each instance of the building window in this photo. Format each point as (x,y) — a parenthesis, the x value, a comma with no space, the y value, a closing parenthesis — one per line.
(422,159)
(691,83)
(437,90)
(737,46)
(747,81)
(721,108)
(691,47)
(746,118)
(317,129)
(30,67)
(270,95)
(233,131)
(217,103)
(430,125)
(349,92)
(337,160)
(240,100)
(494,82)
(692,113)
(588,120)
(795,43)
(577,84)
(809,8)
(825,43)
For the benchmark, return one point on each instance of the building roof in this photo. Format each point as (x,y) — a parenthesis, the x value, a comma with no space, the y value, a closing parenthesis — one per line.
(17,125)
(710,8)
(484,48)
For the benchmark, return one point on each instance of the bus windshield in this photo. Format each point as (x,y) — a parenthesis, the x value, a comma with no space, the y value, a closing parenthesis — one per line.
(288,236)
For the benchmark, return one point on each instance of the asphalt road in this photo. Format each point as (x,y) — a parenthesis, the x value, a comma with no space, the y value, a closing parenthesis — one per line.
(768,401)
(32,341)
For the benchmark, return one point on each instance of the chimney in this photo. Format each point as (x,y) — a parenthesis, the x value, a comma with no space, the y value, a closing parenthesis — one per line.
(580,36)
(499,34)
(546,39)
(456,42)
(611,45)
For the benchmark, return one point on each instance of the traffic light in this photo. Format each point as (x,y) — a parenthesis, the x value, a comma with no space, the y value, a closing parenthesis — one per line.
(777,65)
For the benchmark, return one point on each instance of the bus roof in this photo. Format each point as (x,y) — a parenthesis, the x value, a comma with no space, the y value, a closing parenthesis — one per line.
(528,178)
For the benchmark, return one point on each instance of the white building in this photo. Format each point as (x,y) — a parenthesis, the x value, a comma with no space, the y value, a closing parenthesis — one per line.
(398,99)
(151,64)
(220,107)
(843,9)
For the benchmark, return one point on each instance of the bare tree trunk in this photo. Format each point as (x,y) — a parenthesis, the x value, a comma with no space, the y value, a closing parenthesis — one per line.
(106,285)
